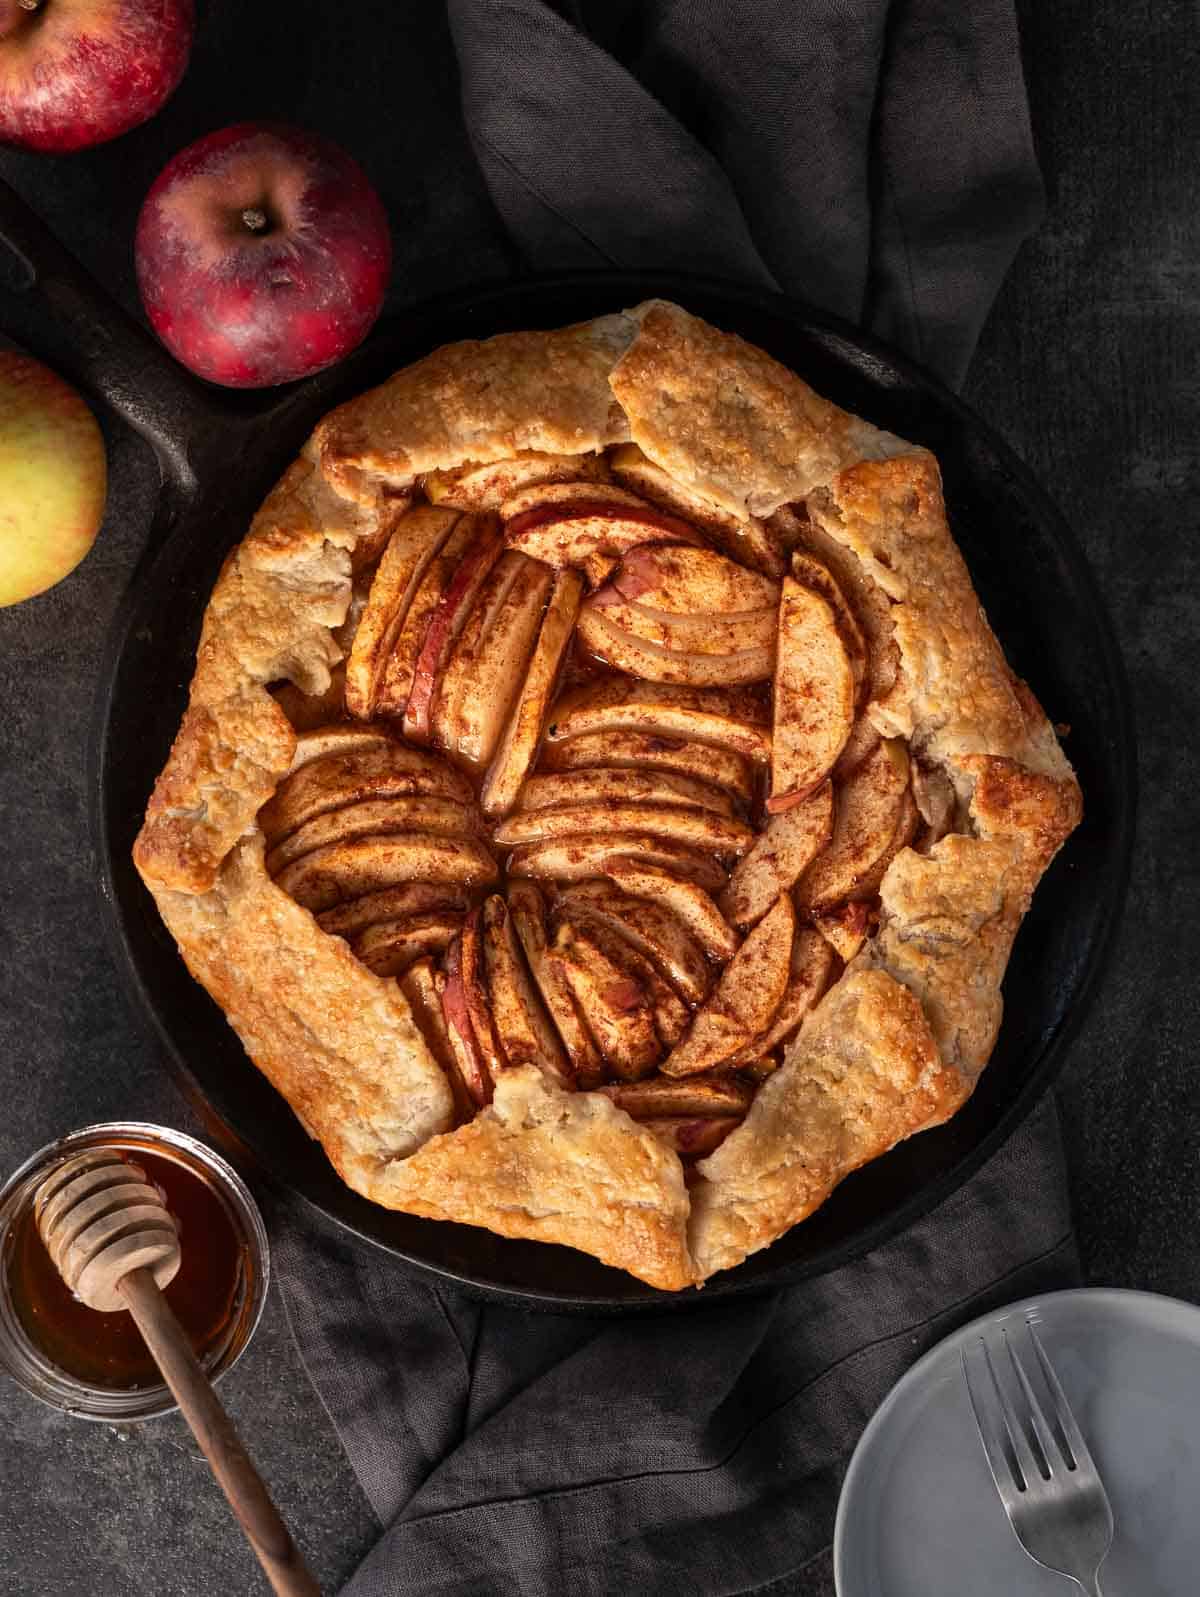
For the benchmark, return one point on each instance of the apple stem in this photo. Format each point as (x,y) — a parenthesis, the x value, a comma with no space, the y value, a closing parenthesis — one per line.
(255,219)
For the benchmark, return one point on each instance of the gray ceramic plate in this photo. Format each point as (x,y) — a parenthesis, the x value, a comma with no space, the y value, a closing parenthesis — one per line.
(919,1515)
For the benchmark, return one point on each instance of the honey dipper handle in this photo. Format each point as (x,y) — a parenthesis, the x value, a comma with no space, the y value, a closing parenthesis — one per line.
(214,1431)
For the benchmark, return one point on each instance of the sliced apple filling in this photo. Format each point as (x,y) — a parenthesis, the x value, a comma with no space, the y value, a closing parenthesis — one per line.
(602,791)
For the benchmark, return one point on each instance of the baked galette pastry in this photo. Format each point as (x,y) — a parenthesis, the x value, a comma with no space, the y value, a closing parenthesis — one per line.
(602,810)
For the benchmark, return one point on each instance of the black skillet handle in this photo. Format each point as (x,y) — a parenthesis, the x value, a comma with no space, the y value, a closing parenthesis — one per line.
(99,345)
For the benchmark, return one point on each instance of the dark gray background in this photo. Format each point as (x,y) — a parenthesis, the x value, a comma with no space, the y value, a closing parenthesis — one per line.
(1088,367)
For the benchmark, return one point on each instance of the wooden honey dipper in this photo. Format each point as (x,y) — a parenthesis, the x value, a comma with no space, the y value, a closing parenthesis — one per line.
(116,1246)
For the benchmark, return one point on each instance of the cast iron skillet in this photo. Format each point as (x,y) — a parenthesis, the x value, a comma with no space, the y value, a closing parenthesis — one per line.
(220,452)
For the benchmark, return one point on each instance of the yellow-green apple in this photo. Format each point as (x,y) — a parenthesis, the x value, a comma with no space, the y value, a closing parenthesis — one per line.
(263,254)
(52,466)
(79,72)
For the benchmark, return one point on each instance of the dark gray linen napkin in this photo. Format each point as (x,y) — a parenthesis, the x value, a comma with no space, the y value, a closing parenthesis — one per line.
(873,156)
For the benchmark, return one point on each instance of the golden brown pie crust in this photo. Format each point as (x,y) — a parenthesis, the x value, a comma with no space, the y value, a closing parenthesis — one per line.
(898,1041)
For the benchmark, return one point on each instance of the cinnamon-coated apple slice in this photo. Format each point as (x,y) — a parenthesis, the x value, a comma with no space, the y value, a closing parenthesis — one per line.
(692,581)
(691,1137)
(653,663)
(649,751)
(867,812)
(814,696)
(572,859)
(716,1094)
(747,997)
(459,661)
(420,986)
(689,634)
(653,929)
(391,903)
(522,1025)
(341,871)
(564,524)
(863,740)
(687,901)
(527,913)
(397,680)
(479,1007)
(671,1014)
(389,947)
(609,785)
(489,486)
(780,856)
(467,1055)
(375,818)
(414,542)
(519,745)
(488,665)
(810,573)
(746,540)
(731,718)
(320,743)
(695,828)
(616,1007)
(811,968)
(333,781)
(844,929)
(446,622)
(871,607)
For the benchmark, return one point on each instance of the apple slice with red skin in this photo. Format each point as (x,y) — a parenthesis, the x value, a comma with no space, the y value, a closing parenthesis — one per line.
(616,1007)
(467,1055)
(459,658)
(780,856)
(74,73)
(487,666)
(731,718)
(333,781)
(479,1006)
(263,254)
(390,903)
(342,871)
(692,582)
(693,907)
(716,1094)
(811,968)
(415,541)
(519,745)
(421,986)
(397,679)
(747,541)
(810,573)
(653,663)
(564,524)
(375,818)
(389,947)
(608,786)
(747,998)
(845,928)
(689,1137)
(689,634)
(869,809)
(649,751)
(571,859)
(869,604)
(527,913)
(446,622)
(671,1014)
(653,929)
(490,486)
(694,828)
(814,696)
(522,1025)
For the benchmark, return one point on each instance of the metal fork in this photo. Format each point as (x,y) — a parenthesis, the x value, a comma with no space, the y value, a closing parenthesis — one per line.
(1050,1488)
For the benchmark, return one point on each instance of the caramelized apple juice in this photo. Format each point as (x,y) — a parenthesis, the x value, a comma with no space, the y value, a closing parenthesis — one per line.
(107,1349)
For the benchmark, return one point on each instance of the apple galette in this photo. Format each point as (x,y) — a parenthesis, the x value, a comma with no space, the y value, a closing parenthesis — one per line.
(602,810)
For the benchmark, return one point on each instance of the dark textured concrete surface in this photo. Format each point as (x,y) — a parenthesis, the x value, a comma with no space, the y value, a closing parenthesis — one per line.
(1088,367)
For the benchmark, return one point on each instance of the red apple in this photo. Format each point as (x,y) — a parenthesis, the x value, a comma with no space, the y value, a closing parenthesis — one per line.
(53,469)
(79,72)
(263,254)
